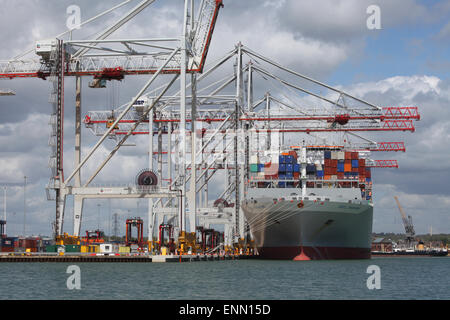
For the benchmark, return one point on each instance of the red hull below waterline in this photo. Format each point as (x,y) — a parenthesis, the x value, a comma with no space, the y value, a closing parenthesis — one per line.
(313,253)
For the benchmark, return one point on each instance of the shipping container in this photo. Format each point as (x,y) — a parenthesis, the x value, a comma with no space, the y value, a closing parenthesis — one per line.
(296,167)
(310,169)
(334,155)
(362,162)
(72,248)
(261,167)
(355,155)
(282,167)
(327,154)
(334,163)
(294,154)
(253,167)
(282,159)
(340,167)
(348,155)
(289,167)
(289,159)
(51,248)
(289,175)
(124,249)
(347,167)
(355,164)
(320,173)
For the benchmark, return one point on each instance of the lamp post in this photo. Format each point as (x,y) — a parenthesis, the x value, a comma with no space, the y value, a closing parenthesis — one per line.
(24,203)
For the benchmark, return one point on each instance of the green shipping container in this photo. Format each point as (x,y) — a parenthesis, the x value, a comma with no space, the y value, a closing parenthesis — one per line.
(253,167)
(51,248)
(73,248)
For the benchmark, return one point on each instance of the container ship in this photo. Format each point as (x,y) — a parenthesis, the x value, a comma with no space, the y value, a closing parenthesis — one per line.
(310,203)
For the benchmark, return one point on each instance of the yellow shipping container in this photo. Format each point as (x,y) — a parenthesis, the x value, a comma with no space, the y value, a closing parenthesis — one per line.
(124,250)
(94,249)
(84,249)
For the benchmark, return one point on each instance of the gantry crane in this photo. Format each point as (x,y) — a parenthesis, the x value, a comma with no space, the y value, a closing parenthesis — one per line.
(407,223)
(110,59)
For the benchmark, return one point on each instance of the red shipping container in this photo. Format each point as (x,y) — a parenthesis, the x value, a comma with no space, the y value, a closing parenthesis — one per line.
(362,162)
(293,153)
(340,175)
(334,163)
(296,175)
(354,155)
(327,163)
(348,155)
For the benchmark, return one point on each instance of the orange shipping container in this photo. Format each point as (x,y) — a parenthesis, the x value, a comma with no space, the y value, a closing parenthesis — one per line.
(327,177)
(347,167)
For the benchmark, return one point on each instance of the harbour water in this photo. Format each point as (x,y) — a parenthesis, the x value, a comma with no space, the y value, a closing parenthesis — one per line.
(401,278)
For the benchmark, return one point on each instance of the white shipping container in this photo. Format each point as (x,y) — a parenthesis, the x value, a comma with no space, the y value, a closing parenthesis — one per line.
(106,248)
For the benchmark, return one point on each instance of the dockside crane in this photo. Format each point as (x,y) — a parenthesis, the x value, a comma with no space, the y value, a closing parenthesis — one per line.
(408,224)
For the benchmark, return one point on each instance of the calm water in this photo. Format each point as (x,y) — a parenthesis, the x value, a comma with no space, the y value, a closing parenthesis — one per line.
(401,278)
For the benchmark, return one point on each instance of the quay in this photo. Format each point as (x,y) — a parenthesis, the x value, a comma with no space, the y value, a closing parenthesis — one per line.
(80,258)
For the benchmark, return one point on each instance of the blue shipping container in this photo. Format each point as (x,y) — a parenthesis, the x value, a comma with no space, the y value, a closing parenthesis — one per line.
(261,167)
(296,167)
(282,159)
(340,167)
(281,184)
(289,159)
(327,154)
(281,176)
(289,175)
(282,167)
(320,173)
(354,163)
(289,167)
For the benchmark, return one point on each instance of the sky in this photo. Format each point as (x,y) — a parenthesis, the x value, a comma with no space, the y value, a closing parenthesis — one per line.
(404,63)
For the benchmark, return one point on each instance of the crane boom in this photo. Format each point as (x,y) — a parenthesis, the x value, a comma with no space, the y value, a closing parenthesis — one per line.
(91,60)
(407,221)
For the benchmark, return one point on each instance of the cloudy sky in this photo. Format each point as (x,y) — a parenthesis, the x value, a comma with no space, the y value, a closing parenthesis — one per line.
(405,63)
